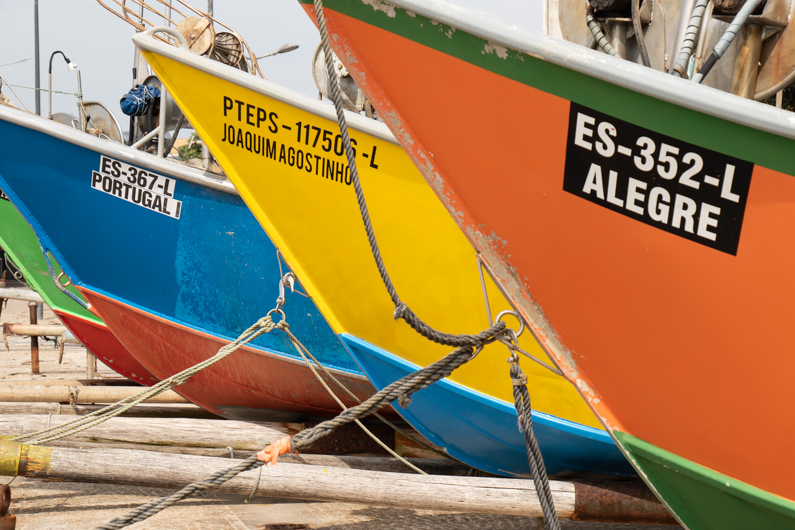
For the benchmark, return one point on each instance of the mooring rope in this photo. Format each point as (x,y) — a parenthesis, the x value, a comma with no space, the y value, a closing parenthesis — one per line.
(263,325)
(299,347)
(304,351)
(402,310)
(467,348)
(401,389)
(534,458)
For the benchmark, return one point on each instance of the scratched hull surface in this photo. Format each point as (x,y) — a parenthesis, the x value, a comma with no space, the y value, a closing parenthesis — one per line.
(173,246)
(20,243)
(283,152)
(639,222)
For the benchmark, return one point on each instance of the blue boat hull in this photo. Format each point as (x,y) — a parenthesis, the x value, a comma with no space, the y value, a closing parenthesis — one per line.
(187,255)
(467,423)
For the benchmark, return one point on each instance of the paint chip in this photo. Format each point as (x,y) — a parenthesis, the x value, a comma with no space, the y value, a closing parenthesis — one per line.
(502,51)
(379,5)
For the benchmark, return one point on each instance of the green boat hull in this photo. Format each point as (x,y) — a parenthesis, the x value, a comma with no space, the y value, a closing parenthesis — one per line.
(19,242)
(705,499)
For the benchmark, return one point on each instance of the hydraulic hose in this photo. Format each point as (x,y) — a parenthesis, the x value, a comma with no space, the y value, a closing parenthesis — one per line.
(689,42)
(597,33)
(726,39)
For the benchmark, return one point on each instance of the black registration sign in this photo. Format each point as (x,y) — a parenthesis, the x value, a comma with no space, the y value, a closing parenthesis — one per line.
(4,197)
(689,191)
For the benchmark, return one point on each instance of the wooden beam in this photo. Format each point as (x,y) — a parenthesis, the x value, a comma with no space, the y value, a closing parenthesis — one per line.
(432,466)
(175,410)
(79,394)
(180,432)
(322,483)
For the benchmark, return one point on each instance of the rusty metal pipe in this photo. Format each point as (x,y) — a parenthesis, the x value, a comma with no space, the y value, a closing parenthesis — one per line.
(34,340)
(33,329)
(7,522)
(618,502)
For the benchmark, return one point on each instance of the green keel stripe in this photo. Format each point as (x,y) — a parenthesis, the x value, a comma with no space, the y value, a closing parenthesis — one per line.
(19,241)
(705,499)
(743,142)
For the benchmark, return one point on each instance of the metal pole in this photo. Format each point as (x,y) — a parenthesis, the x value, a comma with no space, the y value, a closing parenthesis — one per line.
(161,126)
(34,341)
(83,123)
(168,13)
(209,7)
(38,66)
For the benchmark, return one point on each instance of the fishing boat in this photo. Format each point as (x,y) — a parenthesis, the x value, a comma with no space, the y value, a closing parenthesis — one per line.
(20,245)
(171,259)
(283,152)
(638,221)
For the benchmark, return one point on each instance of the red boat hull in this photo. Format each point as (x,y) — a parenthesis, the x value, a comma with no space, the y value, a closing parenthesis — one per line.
(106,347)
(250,384)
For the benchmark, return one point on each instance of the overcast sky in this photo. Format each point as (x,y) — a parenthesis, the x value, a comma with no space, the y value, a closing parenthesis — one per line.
(100,43)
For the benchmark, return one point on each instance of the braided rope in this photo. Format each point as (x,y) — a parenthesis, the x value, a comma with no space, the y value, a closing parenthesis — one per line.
(356,398)
(149,509)
(465,344)
(263,325)
(534,458)
(402,388)
(299,347)
(401,309)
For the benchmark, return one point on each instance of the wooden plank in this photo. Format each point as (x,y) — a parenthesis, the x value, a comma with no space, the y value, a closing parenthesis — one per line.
(81,394)
(104,381)
(322,483)
(183,432)
(160,431)
(433,466)
(175,410)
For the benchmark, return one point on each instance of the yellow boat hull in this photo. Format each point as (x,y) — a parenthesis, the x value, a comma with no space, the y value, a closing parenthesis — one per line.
(283,153)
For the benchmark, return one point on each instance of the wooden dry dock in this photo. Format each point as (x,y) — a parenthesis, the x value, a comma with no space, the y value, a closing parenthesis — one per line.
(159,447)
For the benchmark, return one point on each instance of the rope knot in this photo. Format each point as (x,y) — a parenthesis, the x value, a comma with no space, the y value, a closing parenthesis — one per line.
(400,308)
(271,454)
(519,381)
(404,401)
